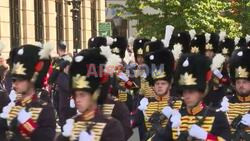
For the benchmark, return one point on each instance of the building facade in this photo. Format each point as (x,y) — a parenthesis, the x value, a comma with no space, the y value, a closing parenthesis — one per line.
(28,21)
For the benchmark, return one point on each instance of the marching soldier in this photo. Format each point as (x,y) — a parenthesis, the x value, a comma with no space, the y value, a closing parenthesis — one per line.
(115,107)
(195,121)
(238,104)
(160,76)
(217,86)
(29,118)
(89,88)
(145,88)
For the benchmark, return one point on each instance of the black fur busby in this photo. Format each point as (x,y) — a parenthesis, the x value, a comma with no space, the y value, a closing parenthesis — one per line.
(31,63)
(160,65)
(138,46)
(85,70)
(152,46)
(97,42)
(192,71)
(119,46)
(182,38)
(240,65)
(241,43)
(198,44)
(227,46)
(212,42)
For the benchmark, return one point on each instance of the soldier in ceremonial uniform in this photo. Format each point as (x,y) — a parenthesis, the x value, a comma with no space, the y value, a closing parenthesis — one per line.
(195,121)
(146,90)
(217,86)
(90,90)
(149,117)
(29,118)
(237,105)
(113,106)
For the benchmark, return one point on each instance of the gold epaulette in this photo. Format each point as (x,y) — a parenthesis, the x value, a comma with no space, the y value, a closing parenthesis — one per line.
(146,90)
(80,126)
(122,96)
(107,109)
(177,104)
(187,121)
(151,108)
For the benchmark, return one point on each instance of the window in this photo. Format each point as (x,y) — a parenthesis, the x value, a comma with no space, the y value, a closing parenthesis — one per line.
(39,33)
(14,23)
(59,21)
(93,18)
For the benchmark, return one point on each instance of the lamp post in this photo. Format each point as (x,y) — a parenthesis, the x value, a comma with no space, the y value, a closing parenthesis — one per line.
(76,18)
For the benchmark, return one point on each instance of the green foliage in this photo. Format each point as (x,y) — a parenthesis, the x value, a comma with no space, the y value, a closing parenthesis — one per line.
(201,15)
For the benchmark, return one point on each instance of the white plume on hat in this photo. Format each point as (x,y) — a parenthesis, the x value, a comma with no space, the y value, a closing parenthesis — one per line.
(177,50)
(110,40)
(45,51)
(208,37)
(168,34)
(236,40)
(112,59)
(192,33)
(222,35)
(217,63)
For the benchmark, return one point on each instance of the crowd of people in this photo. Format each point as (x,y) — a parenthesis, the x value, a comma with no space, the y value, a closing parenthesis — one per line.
(185,87)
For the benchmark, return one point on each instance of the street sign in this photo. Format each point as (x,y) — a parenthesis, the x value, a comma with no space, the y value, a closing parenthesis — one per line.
(105,29)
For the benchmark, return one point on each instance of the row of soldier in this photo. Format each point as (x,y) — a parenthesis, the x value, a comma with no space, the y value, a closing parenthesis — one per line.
(187,86)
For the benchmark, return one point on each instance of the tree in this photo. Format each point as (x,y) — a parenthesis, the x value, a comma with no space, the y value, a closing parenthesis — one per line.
(201,15)
(241,13)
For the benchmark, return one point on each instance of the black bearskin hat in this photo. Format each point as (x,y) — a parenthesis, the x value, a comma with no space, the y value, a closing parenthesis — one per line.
(160,65)
(31,63)
(191,72)
(240,65)
(138,46)
(119,46)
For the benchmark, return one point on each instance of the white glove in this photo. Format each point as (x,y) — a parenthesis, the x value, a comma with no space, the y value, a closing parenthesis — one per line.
(167,111)
(6,110)
(84,136)
(197,132)
(68,127)
(143,104)
(246,120)
(23,116)
(224,105)
(12,95)
(176,119)
(123,76)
